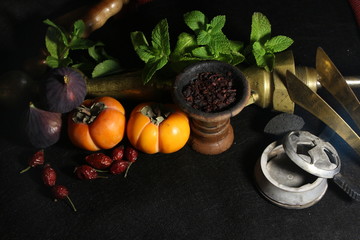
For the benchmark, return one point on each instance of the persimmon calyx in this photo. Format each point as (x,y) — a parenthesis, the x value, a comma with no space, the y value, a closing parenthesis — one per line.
(88,115)
(157,113)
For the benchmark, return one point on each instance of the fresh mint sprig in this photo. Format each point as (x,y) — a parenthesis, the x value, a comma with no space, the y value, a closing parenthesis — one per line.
(62,45)
(156,55)
(262,46)
(207,42)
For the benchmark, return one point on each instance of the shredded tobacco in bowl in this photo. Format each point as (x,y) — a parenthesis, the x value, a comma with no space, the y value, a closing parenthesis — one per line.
(210,92)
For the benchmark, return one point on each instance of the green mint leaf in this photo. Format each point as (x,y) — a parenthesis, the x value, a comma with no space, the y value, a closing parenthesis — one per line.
(236,46)
(195,20)
(201,52)
(152,66)
(219,44)
(55,62)
(237,58)
(146,53)
(263,58)
(203,38)
(160,38)
(260,28)
(228,58)
(278,43)
(270,61)
(52,62)
(141,46)
(259,53)
(138,39)
(106,67)
(53,42)
(78,29)
(56,43)
(96,52)
(51,23)
(76,41)
(185,43)
(80,43)
(233,58)
(217,23)
(61,32)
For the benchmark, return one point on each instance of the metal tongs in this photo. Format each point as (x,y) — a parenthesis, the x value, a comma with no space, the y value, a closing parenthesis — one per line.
(332,80)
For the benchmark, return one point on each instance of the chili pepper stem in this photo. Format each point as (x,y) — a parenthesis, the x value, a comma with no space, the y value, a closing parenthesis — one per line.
(71,203)
(24,170)
(127,170)
(101,171)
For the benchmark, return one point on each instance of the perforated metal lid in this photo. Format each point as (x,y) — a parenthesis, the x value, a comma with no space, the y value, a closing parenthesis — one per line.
(312,154)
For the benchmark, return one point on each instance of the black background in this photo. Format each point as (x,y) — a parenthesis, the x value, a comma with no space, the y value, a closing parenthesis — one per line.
(184,195)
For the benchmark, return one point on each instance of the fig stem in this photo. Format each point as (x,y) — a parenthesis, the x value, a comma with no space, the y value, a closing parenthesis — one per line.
(66,79)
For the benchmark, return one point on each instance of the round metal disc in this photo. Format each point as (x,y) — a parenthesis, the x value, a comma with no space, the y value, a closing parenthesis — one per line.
(312,154)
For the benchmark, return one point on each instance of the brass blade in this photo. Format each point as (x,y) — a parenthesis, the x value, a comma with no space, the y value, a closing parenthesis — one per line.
(302,95)
(332,80)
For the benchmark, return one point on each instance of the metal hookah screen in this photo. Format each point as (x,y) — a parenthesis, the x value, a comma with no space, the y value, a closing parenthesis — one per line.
(284,183)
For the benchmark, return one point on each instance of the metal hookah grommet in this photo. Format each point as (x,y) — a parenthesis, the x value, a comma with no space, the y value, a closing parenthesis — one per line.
(286,181)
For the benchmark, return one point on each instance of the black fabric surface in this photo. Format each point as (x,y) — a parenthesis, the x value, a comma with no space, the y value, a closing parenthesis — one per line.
(184,195)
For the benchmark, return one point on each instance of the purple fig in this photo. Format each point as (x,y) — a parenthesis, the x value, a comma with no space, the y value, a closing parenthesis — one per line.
(64,89)
(42,128)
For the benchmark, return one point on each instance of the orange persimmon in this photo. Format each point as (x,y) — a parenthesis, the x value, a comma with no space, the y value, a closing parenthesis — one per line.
(97,124)
(154,127)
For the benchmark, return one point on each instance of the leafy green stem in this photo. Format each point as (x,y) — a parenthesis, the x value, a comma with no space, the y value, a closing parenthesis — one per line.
(60,44)
(207,42)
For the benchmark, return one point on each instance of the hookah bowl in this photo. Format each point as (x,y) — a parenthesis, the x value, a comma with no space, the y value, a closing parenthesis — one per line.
(211,132)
